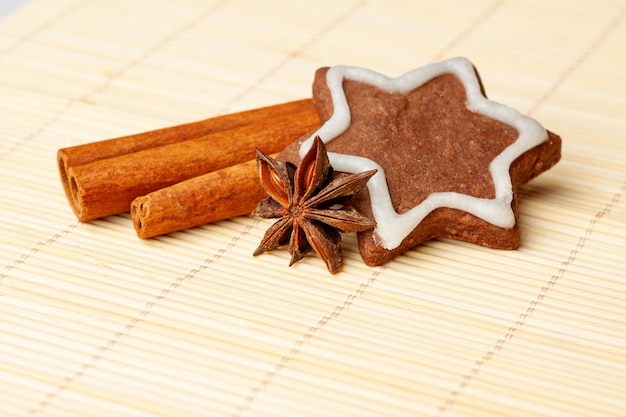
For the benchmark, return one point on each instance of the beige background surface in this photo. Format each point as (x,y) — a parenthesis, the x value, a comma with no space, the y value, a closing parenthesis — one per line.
(95,322)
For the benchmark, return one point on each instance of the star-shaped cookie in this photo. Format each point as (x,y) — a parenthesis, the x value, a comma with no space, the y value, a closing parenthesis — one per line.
(449,160)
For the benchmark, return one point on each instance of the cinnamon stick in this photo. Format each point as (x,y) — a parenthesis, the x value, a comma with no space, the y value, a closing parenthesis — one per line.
(218,195)
(99,186)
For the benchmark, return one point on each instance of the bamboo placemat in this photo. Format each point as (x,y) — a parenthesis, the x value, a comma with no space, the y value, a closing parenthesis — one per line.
(95,322)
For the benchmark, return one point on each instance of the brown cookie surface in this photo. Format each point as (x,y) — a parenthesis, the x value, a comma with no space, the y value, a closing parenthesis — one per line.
(430,144)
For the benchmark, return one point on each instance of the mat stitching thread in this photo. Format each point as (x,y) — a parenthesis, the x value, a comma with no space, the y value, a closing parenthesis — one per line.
(35,249)
(55,118)
(309,334)
(134,321)
(469,29)
(498,346)
(583,57)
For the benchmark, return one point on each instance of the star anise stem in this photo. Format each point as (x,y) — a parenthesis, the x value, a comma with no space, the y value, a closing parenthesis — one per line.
(308,201)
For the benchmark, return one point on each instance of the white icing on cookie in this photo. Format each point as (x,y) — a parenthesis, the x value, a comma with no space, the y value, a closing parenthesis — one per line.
(391,227)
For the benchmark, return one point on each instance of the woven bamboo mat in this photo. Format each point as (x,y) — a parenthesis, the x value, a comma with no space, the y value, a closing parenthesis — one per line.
(95,322)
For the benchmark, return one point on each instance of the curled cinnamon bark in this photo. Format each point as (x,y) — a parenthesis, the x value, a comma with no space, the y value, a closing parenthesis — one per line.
(103,178)
(218,195)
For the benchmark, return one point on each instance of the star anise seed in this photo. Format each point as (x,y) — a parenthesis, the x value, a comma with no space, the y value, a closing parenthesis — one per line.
(308,201)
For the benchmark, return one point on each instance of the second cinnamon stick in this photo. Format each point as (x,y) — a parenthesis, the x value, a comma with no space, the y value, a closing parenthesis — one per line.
(208,198)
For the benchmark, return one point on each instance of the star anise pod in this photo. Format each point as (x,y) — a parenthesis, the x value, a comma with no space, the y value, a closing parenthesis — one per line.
(308,200)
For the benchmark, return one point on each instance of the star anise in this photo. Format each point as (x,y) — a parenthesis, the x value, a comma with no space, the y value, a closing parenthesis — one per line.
(308,200)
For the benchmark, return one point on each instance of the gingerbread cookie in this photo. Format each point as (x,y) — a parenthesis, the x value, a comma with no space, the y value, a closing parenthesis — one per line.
(448,160)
